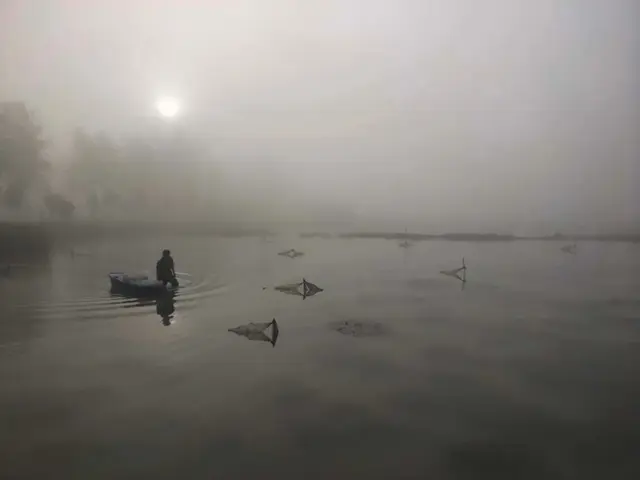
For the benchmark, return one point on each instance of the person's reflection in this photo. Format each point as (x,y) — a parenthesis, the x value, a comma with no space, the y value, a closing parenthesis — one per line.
(165,307)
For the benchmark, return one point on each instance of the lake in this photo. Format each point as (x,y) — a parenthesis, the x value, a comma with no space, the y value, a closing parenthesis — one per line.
(531,371)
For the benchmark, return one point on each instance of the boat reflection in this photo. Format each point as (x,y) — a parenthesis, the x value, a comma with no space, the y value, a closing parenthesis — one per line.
(165,304)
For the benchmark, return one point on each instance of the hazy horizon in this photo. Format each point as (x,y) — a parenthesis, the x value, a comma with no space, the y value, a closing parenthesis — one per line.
(508,116)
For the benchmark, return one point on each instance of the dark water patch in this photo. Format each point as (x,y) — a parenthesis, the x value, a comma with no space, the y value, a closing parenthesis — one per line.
(28,243)
(497,461)
(427,283)
(623,311)
(484,431)
(366,366)
(332,438)
(29,412)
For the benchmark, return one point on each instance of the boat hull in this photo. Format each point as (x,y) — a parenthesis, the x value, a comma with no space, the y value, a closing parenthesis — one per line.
(138,285)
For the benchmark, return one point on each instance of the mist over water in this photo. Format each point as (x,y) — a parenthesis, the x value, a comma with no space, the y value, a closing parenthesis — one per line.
(508,116)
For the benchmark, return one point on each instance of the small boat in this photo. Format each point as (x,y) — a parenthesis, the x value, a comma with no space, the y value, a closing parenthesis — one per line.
(570,249)
(138,283)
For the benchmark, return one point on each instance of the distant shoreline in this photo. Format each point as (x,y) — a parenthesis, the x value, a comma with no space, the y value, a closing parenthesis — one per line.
(493,237)
(74,230)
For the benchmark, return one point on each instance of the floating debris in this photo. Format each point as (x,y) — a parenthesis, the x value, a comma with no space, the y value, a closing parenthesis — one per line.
(570,249)
(291,253)
(358,328)
(456,272)
(303,289)
(256,331)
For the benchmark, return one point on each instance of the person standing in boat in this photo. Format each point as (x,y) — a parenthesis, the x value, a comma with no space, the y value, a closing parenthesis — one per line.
(165,269)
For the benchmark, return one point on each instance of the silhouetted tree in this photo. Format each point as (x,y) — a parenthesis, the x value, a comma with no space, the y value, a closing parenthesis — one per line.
(142,177)
(21,152)
(59,206)
(94,167)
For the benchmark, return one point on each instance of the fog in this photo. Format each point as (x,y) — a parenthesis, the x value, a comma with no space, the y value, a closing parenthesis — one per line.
(500,115)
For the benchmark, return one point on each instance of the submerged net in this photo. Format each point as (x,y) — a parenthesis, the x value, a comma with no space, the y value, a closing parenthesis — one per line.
(256,331)
(291,288)
(310,288)
(251,328)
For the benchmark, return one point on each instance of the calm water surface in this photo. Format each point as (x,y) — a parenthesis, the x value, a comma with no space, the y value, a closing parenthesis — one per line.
(530,372)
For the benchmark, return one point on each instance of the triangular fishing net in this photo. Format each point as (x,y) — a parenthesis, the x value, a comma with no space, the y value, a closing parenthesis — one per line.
(291,288)
(303,289)
(251,328)
(255,331)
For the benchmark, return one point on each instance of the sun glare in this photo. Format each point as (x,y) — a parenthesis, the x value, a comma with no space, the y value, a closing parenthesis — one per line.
(167,106)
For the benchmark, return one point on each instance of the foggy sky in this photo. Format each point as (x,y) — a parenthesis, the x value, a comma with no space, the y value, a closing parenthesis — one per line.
(451,114)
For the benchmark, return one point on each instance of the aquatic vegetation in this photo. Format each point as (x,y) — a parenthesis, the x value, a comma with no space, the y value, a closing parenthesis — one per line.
(361,328)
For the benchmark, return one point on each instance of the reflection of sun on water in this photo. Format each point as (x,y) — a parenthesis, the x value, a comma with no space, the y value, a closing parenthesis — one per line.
(167,106)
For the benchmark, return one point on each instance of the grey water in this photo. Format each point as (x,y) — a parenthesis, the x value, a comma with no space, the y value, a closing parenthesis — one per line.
(528,372)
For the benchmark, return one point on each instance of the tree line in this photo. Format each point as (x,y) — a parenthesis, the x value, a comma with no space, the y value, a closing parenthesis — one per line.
(102,178)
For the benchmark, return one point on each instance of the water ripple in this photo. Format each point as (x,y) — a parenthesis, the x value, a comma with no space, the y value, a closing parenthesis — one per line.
(109,305)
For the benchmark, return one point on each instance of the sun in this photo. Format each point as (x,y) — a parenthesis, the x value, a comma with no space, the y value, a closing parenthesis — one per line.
(168,107)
